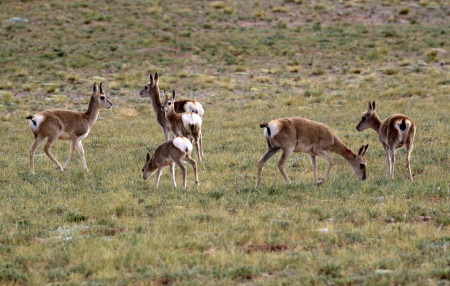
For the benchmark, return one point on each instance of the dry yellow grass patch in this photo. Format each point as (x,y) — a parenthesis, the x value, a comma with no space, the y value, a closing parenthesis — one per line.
(263,79)
(126,111)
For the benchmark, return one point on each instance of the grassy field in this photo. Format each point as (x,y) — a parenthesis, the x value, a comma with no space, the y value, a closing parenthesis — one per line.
(247,62)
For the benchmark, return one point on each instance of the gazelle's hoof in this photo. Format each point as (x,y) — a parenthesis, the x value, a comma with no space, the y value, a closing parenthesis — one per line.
(198,184)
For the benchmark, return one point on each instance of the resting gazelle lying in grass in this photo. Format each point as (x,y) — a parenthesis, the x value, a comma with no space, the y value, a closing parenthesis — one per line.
(394,132)
(297,134)
(66,125)
(168,154)
(151,89)
(185,124)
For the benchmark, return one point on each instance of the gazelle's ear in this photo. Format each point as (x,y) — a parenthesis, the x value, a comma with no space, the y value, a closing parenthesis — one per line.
(156,78)
(369,109)
(173,95)
(94,88)
(151,79)
(363,150)
(148,157)
(101,90)
(373,106)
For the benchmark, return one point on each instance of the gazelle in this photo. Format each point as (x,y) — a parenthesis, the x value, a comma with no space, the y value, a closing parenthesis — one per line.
(394,132)
(168,154)
(297,134)
(187,124)
(151,89)
(66,125)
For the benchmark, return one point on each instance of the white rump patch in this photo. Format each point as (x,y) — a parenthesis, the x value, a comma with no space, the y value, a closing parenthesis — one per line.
(274,127)
(399,122)
(194,107)
(182,143)
(38,119)
(191,118)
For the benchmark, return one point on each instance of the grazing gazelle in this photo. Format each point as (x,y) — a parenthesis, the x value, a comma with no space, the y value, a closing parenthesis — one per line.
(394,132)
(151,90)
(168,154)
(187,124)
(297,134)
(66,125)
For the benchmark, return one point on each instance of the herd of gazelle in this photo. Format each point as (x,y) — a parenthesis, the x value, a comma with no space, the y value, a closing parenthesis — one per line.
(183,118)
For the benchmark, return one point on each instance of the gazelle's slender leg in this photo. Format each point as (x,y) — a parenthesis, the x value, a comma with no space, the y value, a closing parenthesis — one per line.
(324,154)
(73,146)
(201,140)
(392,153)
(81,151)
(198,149)
(194,166)
(47,151)
(409,146)
(172,173)
(388,157)
(183,171)
(313,163)
(37,141)
(262,162)
(286,153)
(158,176)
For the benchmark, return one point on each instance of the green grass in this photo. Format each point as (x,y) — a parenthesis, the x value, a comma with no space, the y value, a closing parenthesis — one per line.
(247,62)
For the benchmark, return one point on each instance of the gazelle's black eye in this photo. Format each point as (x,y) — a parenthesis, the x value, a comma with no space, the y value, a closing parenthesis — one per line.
(142,170)
(146,87)
(102,97)
(363,118)
(169,103)
(362,166)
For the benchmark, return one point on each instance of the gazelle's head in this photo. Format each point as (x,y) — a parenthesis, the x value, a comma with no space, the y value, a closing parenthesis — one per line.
(168,103)
(151,88)
(367,118)
(359,163)
(148,168)
(99,96)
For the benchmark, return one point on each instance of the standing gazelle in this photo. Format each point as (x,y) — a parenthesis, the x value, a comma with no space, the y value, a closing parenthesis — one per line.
(169,153)
(394,132)
(297,134)
(151,89)
(66,125)
(187,124)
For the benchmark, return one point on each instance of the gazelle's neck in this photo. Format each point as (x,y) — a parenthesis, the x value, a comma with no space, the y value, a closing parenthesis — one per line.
(156,100)
(92,112)
(170,113)
(376,122)
(341,149)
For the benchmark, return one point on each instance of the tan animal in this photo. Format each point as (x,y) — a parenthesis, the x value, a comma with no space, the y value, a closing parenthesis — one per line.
(297,134)
(66,125)
(187,124)
(151,89)
(168,154)
(394,132)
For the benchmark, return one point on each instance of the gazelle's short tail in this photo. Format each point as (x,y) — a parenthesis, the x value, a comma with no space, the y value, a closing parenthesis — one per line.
(265,125)
(31,119)
(195,128)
